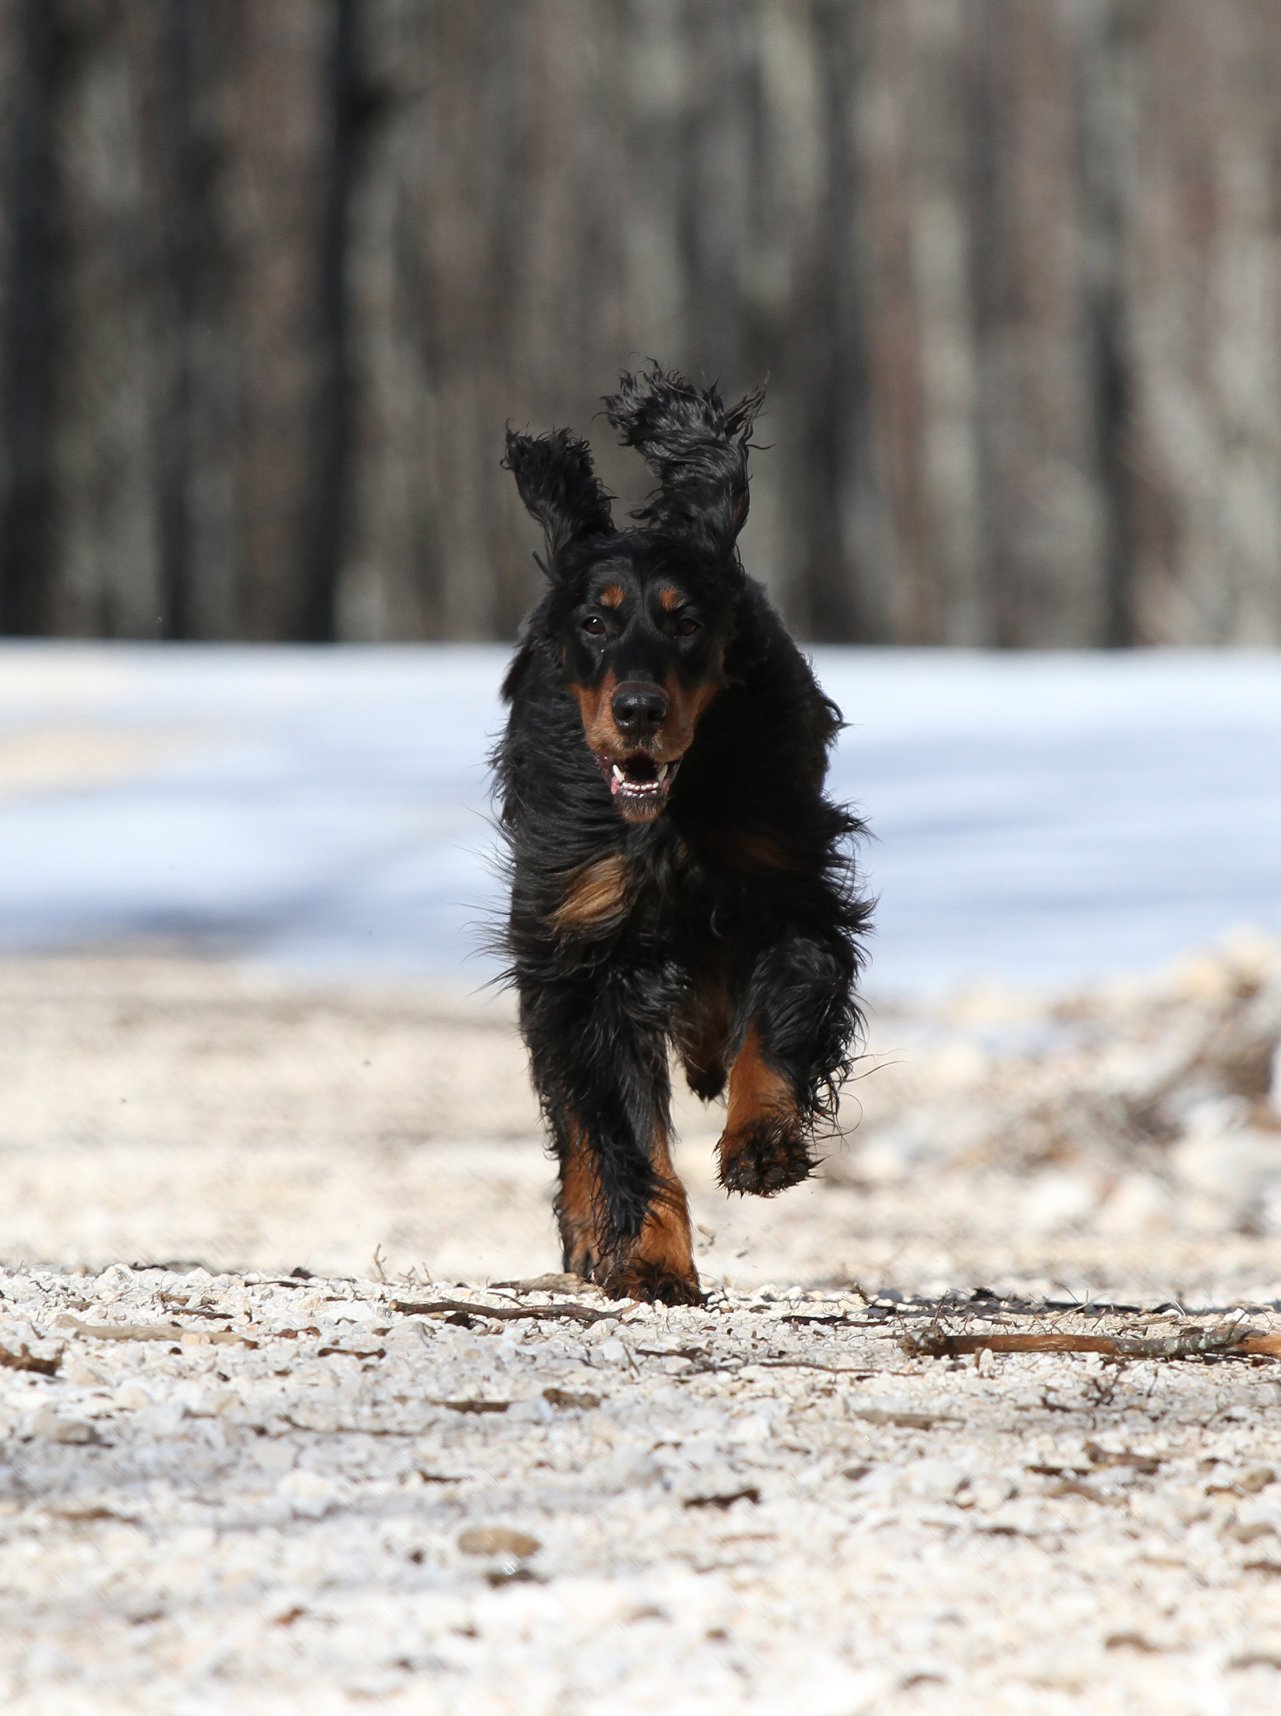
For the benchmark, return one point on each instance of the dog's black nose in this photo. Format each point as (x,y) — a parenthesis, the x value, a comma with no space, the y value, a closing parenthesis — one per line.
(639,708)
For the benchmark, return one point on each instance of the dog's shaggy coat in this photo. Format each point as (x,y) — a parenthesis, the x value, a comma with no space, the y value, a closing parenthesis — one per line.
(678,876)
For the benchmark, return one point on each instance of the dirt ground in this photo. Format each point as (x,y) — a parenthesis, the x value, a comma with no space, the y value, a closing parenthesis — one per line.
(294,1415)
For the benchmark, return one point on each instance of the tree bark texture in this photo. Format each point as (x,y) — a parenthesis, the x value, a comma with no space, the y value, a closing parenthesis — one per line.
(274,278)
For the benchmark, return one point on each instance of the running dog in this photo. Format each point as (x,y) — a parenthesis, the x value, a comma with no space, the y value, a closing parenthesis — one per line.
(678,878)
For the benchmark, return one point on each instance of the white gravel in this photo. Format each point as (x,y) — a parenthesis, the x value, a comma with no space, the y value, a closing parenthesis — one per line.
(286,1494)
(232,1485)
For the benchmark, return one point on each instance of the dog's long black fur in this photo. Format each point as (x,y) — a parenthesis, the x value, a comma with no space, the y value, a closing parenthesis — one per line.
(678,876)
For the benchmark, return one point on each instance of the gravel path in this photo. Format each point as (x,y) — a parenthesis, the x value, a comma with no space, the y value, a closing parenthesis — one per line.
(292,1419)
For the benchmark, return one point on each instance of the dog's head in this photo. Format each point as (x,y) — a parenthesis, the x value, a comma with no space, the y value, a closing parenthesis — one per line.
(640,618)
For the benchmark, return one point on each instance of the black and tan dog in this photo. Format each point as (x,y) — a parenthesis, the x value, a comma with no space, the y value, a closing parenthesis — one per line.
(678,876)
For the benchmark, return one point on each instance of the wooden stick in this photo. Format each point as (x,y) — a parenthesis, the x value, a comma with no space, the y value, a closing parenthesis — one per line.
(1188,1343)
(25,1359)
(503,1313)
(173,1332)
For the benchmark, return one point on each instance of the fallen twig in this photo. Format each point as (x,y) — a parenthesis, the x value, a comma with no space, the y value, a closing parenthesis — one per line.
(570,1401)
(349,1429)
(1187,1343)
(903,1420)
(858,1370)
(877,1323)
(502,1313)
(723,1502)
(152,1332)
(25,1359)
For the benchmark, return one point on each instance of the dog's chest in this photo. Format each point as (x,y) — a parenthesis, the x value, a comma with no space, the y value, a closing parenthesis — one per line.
(651,892)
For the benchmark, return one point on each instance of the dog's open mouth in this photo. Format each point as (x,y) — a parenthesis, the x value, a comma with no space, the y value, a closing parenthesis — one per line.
(638,782)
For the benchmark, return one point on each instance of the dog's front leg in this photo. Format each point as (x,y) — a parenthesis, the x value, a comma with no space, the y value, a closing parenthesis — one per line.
(795,1024)
(601,1076)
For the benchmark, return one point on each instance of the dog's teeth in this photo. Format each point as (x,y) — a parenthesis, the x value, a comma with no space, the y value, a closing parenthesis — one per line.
(618,773)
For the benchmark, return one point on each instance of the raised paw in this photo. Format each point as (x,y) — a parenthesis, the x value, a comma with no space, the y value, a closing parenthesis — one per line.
(764,1157)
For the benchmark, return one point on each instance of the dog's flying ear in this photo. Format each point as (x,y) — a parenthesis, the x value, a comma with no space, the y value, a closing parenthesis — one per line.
(696,447)
(559,486)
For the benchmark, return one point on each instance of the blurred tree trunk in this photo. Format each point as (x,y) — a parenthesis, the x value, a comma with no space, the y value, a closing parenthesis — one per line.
(273,279)
(1205,286)
(322,532)
(195,403)
(1037,432)
(116,331)
(279,131)
(1106,134)
(851,565)
(29,329)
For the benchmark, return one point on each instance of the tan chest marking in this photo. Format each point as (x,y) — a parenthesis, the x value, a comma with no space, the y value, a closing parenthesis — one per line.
(596,897)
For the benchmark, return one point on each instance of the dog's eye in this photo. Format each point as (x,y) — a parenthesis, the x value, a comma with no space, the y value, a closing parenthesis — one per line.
(687,626)
(594,626)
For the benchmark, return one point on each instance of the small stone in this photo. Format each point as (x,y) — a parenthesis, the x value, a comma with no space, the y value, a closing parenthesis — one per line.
(1238,1169)
(163,1419)
(1136,1203)
(497,1540)
(1057,1201)
(47,1423)
(132,1396)
(1256,1479)
(115,1281)
(535,1410)
(213,1402)
(310,1494)
(79,1370)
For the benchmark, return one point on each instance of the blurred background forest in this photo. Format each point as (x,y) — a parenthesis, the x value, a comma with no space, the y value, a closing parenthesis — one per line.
(275,273)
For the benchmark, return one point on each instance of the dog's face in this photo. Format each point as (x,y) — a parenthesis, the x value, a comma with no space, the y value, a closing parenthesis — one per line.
(641,640)
(640,618)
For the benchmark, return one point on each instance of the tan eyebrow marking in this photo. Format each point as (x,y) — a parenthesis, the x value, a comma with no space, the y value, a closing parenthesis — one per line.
(612,596)
(670,599)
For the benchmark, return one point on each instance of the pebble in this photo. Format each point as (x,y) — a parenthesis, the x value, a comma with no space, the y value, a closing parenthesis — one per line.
(78,1369)
(132,1396)
(164,1419)
(1058,1201)
(1134,1203)
(534,1410)
(498,1540)
(1238,1167)
(309,1494)
(115,1282)
(47,1422)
